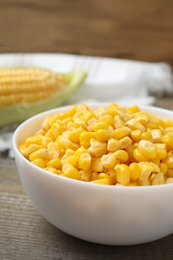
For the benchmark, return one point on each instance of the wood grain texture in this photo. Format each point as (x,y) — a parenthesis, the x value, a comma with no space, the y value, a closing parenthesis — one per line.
(138,30)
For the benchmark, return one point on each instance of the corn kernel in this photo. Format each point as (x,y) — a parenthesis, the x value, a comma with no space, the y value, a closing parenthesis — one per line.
(33,140)
(74,135)
(55,163)
(96,165)
(148,149)
(142,117)
(123,174)
(108,161)
(134,171)
(135,135)
(105,181)
(41,153)
(121,155)
(113,145)
(103,135)
(156,135)
(147,136)
(139,157)
(146,169)
(84,161)
(125,141)
(39,162)
(24,150)
(85,138)
(71,172)
(85,175)
(121,132)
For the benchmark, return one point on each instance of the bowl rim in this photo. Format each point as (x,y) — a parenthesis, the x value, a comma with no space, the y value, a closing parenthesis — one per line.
(79,182)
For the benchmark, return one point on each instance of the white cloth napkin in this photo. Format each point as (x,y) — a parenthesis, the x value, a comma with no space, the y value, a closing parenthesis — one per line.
(126,82)
(111,80)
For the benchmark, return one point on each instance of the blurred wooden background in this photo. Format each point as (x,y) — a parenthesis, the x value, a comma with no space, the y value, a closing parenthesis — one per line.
(130,29)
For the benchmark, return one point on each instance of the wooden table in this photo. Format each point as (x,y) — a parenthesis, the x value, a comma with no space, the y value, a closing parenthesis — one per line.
(121,29)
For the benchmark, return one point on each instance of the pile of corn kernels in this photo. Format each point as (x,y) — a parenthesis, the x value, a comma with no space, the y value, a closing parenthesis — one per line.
(112,146)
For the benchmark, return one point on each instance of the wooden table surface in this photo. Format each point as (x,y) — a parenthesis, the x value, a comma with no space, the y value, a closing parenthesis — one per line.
(108,28)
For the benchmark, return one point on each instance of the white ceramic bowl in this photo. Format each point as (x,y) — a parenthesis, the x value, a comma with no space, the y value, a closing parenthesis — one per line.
(97,213)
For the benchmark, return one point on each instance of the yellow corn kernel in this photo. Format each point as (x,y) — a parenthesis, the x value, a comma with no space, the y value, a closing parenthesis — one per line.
(71,172)
(135,135)
(108,161)
(72,159)
(133,109)
(103,135)
(85,138)
(108,119)
(41,153)
(138,155)
(79,122)
(79,151)
(161,150)
(169,180)
(45,141)
(82,109)
(47,134)
(33,140)
(85,175)
(134,171)
(169,173)
(123,174)
(45,124)
(146,169)
(146,136)
(142,117)
(151,126)
(90,124)
(65,143)
(121,132)
(94,176)
(169,159)
(168,139)
(24,150)
(84,161)
(39,162)
(163,168)
(156,135)
(97,144)
(113,145)
(51,169)
(55,163)
(87,116)
(130,149)
(118,122)
(104,181)
(125,141)
(155,161)
(96,165)
(56,129)
(157,179)
(74,135)
(34,147)
(100,125)
(148,149)
(103,175)
(134,124)
(143,183)
(121,155)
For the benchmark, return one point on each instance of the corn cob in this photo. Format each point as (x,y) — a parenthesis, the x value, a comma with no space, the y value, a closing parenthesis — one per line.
(25,85)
